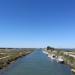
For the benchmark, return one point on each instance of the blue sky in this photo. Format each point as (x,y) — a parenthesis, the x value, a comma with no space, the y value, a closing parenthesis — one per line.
(37,23)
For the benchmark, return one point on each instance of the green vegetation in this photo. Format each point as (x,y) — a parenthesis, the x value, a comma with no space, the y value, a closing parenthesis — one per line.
(9,55)
(50,48)
(68,56)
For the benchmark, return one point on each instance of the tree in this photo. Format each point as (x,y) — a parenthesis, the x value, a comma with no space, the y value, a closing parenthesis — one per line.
(50,48)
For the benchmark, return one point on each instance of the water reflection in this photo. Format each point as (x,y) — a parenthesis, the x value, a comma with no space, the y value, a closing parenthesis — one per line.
(37,63)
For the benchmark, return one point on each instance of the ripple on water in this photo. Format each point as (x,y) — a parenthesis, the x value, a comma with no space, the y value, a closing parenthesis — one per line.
(36,63)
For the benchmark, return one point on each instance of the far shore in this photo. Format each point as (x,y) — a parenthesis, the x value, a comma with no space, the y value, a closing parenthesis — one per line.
(67,55)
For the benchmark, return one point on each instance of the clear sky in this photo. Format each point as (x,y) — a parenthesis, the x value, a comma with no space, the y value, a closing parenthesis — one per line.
(37,23)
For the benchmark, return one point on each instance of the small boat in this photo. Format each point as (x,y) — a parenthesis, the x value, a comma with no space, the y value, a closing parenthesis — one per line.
(52,56)
(60,59)
(45,52)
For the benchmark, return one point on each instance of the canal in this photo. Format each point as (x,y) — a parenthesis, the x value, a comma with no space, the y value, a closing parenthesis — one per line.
(36,63)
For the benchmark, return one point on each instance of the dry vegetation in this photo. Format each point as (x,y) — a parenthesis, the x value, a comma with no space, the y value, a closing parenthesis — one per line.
(9,55)
(68,56)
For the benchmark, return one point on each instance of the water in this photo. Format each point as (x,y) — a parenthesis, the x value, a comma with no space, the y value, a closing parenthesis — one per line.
(36,63)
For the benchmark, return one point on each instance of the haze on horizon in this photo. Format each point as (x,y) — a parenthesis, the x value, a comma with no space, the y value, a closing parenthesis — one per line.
(37,23)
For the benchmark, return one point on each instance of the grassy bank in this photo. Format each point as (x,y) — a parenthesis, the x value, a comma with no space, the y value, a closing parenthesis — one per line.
(9,55)
(68,56)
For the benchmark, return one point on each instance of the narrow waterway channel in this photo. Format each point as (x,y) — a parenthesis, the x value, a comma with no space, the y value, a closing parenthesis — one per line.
(36,63)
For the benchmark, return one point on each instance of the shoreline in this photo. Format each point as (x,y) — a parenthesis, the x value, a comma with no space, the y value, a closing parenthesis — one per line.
(5,61)
(65,58)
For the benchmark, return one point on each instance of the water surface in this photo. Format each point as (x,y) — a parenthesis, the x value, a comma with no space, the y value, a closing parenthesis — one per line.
(36,63)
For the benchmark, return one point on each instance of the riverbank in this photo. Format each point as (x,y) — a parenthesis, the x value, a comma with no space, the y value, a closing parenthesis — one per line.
(36,63)
(7,56)
(67,56)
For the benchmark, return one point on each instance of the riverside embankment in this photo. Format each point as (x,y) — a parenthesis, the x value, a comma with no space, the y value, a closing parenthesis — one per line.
(67,56)
(8,56)
(36,63)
